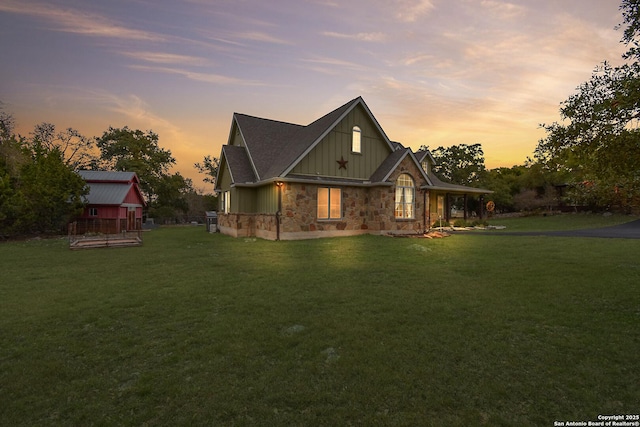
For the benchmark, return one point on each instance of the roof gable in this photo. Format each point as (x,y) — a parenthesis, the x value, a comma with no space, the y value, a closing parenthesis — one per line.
(390,164)
(236,160)
(422,155)
(270,144)
(321,128)
(274,148)
(111,187)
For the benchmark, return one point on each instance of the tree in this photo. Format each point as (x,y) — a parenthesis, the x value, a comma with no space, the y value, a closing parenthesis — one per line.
(50,193)
(78,151)
(597,144)
(459,164)
(136,151)
(209,167)
(11,159)
(505,184)
(39,192)
(7,124)
(171,199)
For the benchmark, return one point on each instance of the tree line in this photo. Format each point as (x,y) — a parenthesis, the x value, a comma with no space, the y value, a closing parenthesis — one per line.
(40,191)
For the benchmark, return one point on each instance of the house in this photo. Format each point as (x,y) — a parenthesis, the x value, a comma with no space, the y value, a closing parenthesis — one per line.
(114,203)
(340,175)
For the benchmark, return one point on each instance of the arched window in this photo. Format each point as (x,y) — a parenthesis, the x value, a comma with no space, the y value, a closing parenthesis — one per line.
(405,197)
(355,140)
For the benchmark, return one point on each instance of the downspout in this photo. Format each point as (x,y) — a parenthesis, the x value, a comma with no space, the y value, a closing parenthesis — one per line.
(279,211)
(424,211)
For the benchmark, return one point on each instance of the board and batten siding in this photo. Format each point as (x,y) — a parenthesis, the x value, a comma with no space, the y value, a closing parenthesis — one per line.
(236,139)
(267,199)
(224,181)
(322,160)
(245,200)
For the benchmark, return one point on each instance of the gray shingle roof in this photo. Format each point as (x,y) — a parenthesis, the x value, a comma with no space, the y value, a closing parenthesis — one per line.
(271,144)
(274,146)
(388,165)
(438,184)
(239,164)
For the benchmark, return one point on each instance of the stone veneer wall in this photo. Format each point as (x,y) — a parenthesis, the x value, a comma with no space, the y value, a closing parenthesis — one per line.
(248,225)
(364,210)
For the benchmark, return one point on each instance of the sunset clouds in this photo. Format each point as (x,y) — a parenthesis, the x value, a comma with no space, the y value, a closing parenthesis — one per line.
(433,72)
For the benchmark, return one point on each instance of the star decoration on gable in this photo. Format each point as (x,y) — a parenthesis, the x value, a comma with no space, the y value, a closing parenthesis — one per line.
(342,162)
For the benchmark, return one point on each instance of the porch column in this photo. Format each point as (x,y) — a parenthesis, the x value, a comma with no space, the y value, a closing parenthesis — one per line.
(481,209)
(447,206)
(425,211)
(465,207)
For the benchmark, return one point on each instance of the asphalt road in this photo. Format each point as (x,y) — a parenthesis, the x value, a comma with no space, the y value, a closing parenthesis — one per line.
(629,230)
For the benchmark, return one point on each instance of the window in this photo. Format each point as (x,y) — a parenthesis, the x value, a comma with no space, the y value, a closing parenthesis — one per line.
(329,203)
(355,140)
(226,202)
(93,211)
(405,192)
(425,166)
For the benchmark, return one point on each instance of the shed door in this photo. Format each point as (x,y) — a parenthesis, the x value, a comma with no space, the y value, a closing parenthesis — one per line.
(131,219)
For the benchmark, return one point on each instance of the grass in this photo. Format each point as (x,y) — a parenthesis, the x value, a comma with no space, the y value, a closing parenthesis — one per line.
(200,329)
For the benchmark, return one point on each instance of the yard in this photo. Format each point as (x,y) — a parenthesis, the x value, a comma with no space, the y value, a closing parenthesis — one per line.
(200,329)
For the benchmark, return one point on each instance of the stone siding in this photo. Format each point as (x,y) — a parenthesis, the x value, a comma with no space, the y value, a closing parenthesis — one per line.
(364,210)
(248,225)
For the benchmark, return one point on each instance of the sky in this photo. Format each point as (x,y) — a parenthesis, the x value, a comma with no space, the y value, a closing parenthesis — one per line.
(433,72)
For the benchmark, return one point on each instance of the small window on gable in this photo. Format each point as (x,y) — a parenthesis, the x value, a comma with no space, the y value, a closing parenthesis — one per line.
(425,166)
(356,140)
(93,211)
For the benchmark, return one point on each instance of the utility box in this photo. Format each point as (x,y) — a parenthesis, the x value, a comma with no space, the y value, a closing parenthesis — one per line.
(212,221)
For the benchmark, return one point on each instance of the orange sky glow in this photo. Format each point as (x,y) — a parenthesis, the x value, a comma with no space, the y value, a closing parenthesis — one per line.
(433,72)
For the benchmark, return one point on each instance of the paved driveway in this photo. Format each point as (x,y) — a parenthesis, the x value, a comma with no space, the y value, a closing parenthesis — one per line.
(629,230)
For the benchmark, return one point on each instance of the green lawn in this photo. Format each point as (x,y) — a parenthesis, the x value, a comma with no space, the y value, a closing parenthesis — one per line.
(201,329)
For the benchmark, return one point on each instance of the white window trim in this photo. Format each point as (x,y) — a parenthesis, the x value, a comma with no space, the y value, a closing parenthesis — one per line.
(226,201)
(356,140)
(329,217)
(403,193)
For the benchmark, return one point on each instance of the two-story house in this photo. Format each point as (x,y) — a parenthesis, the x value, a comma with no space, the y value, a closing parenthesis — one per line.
(340,175)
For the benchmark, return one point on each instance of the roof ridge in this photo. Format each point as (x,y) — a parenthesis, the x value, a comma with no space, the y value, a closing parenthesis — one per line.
(334,110)
(268,119)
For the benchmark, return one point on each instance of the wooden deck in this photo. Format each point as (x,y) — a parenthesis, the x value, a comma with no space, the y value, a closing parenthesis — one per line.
(126,239)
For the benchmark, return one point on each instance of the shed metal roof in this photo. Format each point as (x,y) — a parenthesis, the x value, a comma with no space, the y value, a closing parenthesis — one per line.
(107,176)
(107,194)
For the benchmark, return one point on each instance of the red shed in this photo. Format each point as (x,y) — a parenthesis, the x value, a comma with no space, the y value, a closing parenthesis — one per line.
(114,202)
